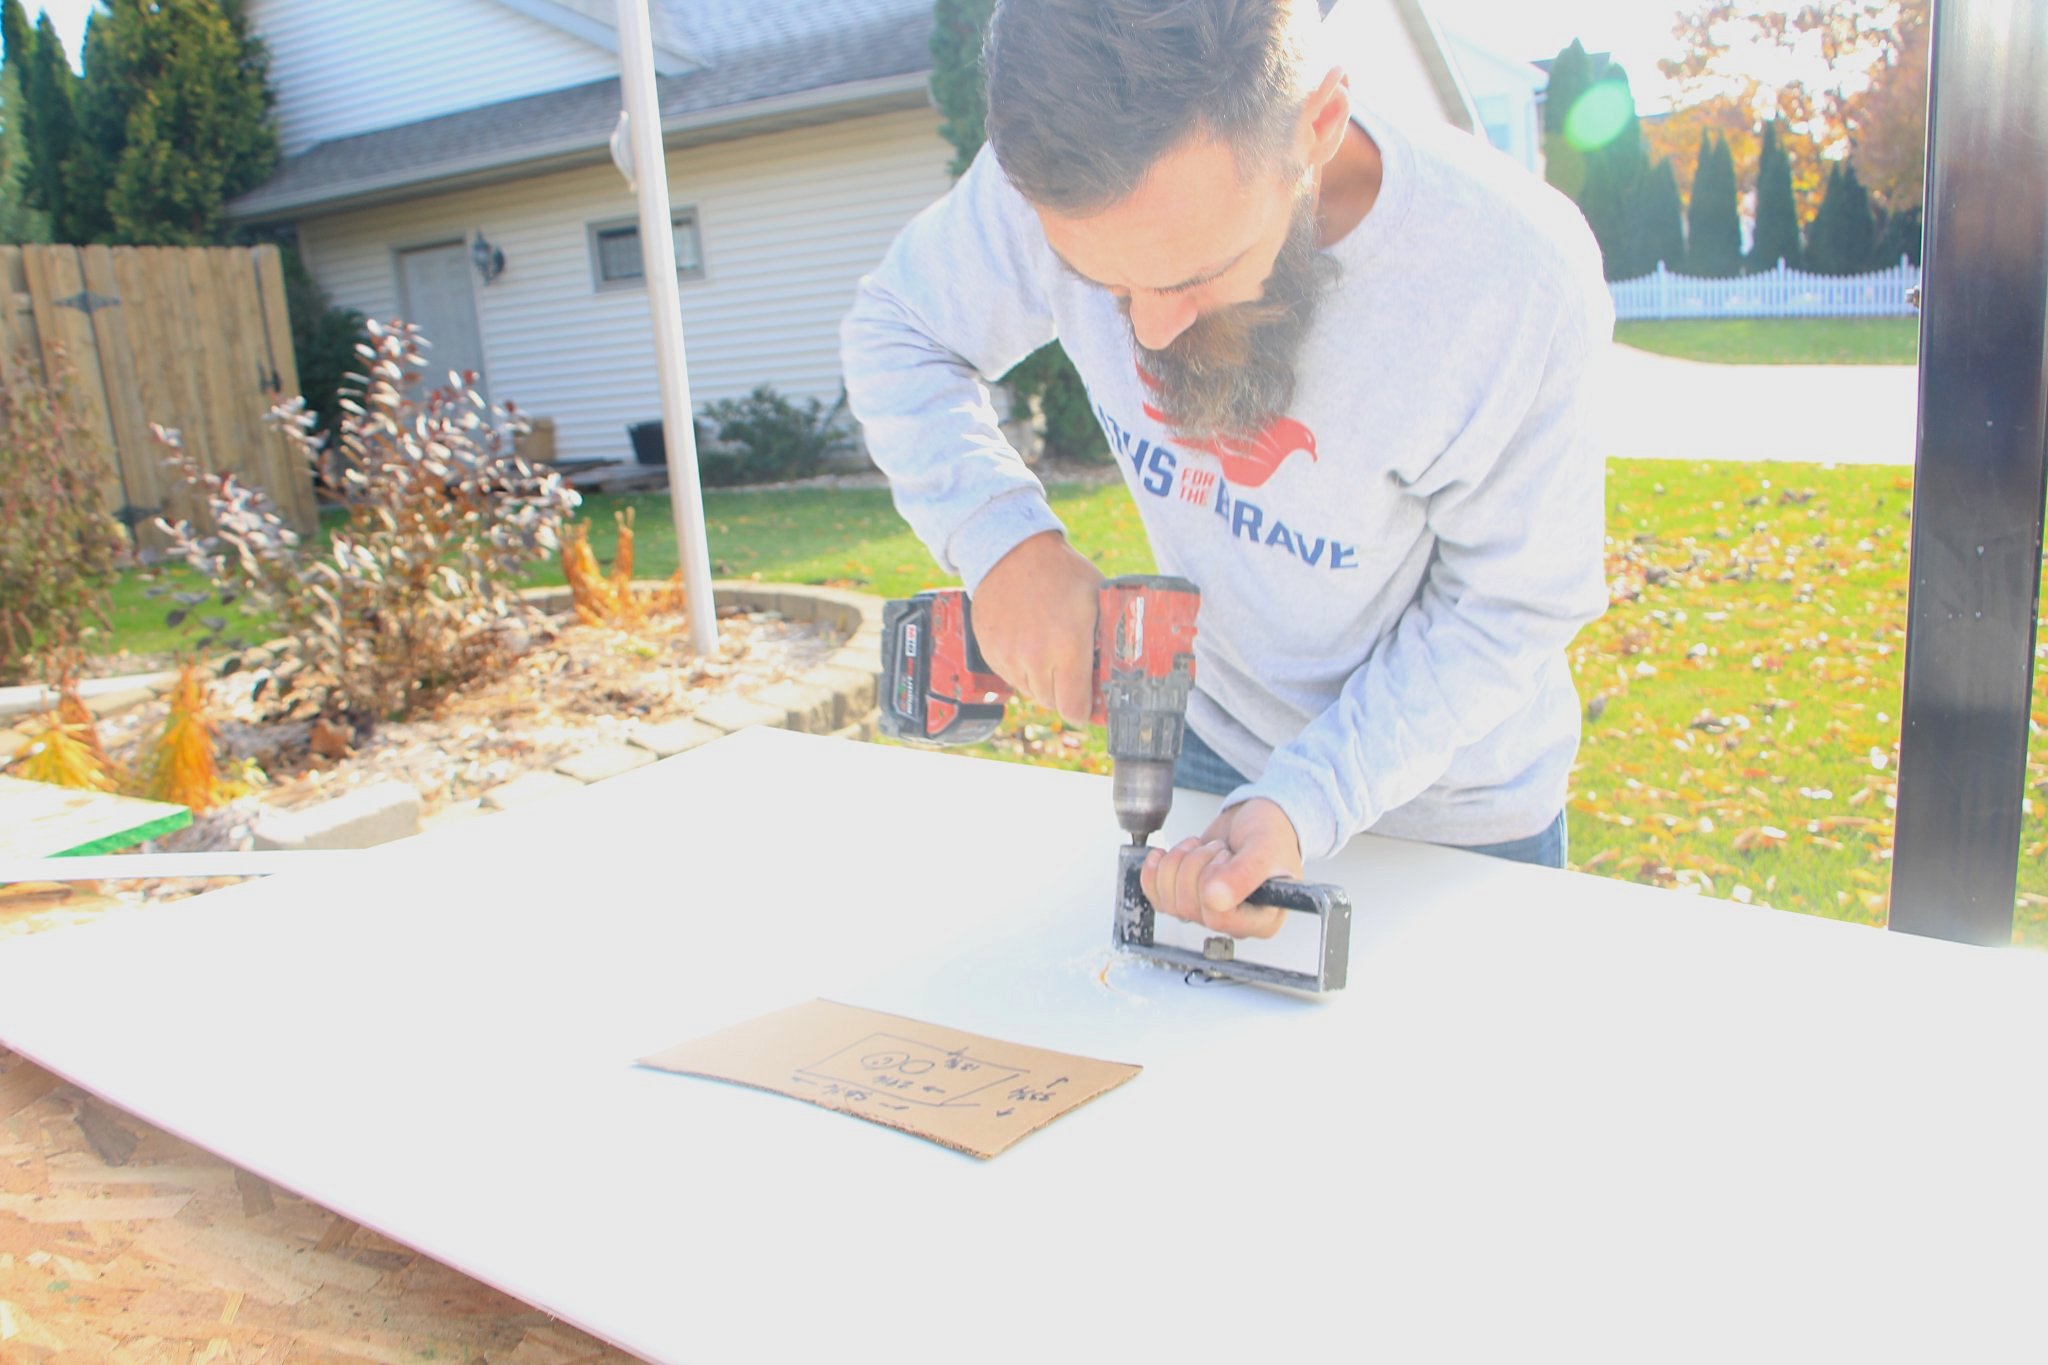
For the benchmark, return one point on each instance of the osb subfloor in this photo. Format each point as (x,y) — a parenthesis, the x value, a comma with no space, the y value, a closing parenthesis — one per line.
(120,1243)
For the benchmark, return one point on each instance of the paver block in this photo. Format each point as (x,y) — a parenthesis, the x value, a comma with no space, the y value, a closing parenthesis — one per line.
(112,703)
(124,682)
(363,818)
(849,612)
(856,661)
(855,688)
(796,604)
(737,713)
(456,814)
(528,788)
(678,736)
(605,760)
(808,708)
(27,700)
(749,596)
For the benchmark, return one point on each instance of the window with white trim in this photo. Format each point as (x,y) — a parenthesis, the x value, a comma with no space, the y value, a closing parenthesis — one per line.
(615,260)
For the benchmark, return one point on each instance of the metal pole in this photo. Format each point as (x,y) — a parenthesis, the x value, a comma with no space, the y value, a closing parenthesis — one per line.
(649,177)
(1979,474)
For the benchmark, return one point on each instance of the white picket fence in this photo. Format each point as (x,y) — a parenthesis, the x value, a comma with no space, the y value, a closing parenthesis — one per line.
(1779,293)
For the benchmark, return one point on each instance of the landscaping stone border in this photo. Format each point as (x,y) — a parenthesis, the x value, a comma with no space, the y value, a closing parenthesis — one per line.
(838,698)
(832,700)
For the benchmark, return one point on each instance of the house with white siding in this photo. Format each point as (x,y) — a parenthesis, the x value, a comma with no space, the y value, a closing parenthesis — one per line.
(1507,93)
(800,138)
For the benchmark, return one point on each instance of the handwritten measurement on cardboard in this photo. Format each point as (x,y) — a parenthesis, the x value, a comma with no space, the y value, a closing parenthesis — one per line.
(960,1089)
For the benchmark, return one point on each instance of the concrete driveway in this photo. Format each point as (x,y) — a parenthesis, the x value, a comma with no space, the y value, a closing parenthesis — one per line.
(1656,407)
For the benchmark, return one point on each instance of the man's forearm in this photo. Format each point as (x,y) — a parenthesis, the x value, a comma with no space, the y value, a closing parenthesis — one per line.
(1517,572)
(954,301)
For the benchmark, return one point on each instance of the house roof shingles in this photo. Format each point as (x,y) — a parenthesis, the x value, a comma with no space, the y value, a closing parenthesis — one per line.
(753,50)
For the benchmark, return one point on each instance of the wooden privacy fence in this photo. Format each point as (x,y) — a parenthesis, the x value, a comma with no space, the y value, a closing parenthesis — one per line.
(193,338)
(1779,293)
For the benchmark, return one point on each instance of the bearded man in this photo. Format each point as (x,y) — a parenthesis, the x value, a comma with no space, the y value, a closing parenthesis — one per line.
(1344,367)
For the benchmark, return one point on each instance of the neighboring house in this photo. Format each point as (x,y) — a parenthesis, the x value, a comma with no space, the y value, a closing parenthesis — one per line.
(1508,94)
(800,139)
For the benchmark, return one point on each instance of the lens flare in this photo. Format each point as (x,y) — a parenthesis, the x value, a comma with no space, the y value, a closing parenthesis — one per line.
(1598,116)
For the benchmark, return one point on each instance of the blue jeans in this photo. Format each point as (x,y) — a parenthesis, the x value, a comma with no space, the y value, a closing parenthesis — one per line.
(1201,769)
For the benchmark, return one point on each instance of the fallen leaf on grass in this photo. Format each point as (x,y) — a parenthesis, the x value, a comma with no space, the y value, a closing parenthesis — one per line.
(1759,836)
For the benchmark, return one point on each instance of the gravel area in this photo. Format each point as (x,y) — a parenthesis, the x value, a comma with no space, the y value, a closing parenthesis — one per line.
(576,686)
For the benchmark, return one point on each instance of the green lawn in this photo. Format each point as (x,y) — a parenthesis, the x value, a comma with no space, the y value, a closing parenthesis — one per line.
(851,537)
(1780,341)
(1743,691)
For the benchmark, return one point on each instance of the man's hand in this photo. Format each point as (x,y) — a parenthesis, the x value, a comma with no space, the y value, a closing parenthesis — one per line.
(1034,616)
(1206,879)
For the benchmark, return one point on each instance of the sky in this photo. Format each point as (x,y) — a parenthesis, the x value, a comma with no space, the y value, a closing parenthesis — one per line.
(1637,32)
(68,16)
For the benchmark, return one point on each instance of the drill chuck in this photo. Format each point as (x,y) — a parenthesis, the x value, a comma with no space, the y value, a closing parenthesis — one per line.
(1147,716)
(1142,790)
(1146,669)
(1147,723)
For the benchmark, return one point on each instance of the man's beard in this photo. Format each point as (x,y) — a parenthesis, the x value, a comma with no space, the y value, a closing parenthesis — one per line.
(1232,372)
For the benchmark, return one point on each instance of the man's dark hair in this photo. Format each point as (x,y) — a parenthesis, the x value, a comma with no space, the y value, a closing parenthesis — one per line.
(1085,95)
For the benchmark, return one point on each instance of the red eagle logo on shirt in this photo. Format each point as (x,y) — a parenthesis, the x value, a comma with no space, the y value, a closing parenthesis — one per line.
(1246,463)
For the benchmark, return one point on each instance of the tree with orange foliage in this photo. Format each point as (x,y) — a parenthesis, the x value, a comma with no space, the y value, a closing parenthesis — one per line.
(1676,137)
(1888,121)
(1841,75)
(64,754)
(601,600)
(181,765)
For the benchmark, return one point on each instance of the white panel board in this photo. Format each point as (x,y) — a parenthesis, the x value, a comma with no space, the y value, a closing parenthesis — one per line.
(1553,1116)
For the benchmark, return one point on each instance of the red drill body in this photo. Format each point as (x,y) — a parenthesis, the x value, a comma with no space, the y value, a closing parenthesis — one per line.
(937,689)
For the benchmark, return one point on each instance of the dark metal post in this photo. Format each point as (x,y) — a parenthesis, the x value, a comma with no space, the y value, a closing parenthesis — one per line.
(1978,475)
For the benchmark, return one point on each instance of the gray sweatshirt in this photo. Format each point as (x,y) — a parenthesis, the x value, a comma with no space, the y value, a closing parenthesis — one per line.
(1390,578)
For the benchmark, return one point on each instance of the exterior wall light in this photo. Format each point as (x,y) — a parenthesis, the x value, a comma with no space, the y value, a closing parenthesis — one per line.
(488,260)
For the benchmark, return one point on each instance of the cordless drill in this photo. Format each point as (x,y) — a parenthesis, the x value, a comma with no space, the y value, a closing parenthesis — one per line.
(938,689)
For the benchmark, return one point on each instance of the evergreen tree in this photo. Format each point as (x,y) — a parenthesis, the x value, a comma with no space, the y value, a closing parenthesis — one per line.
(1777,215)
(1604,201)
(957,30)
(1615,172)
(1046,375)
(1657,221)
(18,222)
(1900,236)
(1713,243)
(14,33)
(49,129)
(1571,75)
(1843,238)
(324,337)
(102,132)
(176,121)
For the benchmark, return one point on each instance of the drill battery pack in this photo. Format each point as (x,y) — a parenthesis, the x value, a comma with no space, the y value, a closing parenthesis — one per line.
(937,689)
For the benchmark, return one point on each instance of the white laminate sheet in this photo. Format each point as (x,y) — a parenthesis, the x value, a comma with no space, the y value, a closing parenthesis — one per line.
(1551,1116)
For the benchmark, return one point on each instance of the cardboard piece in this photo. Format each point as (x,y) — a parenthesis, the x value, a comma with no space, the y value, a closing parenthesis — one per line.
(961,1090)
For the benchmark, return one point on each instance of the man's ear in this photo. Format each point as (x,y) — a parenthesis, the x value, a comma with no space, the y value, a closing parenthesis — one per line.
(1324,117)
